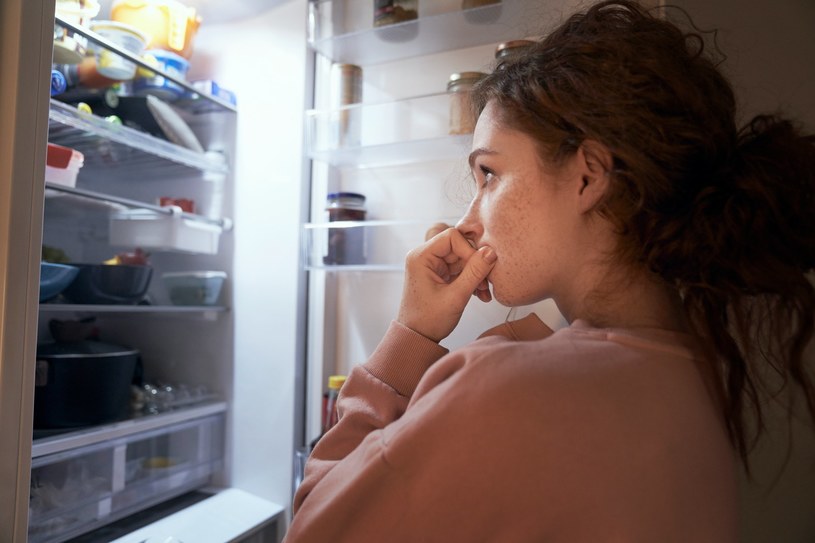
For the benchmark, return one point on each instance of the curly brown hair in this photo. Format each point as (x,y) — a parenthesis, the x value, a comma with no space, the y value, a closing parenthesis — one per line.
(726,216)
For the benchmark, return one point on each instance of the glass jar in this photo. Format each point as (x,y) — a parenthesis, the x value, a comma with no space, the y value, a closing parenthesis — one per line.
(469,4)
(462,120)
(510,49)
(346,244)
(346,89)
(389,12)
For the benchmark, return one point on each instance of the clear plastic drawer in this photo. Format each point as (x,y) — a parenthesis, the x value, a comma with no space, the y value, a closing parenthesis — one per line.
(75,491)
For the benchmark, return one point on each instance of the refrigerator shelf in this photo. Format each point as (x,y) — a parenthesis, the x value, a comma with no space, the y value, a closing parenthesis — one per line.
(108,145)
(415,129)
(343,30)
(68,441)
(397,154)
(215,101)
(134,309)
(95,200)
(365,246)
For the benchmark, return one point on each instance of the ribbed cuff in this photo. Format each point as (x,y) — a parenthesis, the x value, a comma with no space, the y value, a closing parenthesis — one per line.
(402,357)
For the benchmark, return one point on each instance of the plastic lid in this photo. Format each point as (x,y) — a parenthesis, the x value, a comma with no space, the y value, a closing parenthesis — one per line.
(336,381)
(83,349)
(196,274)
(61,157)
(350,195)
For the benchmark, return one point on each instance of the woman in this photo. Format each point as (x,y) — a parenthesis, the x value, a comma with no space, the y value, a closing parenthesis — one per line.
(611,178)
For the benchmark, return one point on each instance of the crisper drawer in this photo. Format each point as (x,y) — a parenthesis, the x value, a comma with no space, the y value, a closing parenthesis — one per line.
(75,491)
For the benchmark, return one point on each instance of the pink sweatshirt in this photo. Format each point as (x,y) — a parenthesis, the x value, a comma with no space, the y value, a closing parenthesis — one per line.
(589,435)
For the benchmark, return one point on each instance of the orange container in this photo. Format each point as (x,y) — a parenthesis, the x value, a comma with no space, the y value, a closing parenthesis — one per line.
(170,24)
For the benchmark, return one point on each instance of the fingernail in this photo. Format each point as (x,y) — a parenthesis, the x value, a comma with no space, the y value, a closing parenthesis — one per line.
(489,255)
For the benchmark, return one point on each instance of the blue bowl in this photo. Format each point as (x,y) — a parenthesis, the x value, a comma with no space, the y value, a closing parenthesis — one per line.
(54,278)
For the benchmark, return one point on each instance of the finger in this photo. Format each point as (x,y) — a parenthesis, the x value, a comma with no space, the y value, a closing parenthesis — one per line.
(437,228)
(476,270)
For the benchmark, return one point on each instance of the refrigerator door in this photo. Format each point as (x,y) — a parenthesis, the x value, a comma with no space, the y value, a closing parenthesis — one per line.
(25,57)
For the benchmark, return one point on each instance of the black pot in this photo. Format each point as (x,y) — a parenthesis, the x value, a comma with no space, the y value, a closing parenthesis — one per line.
(82,383)
(109,284)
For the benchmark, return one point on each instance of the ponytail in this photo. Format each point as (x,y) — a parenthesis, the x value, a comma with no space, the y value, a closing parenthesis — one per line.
(752,300)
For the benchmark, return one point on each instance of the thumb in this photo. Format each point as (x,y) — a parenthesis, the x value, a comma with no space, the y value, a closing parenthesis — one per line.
(476,270)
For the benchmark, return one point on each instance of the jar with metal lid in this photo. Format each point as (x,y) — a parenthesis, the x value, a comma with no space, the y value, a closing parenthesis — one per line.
(469,4)
(346,244)
(462,120)
(346,89)
(510,49)
(389,12)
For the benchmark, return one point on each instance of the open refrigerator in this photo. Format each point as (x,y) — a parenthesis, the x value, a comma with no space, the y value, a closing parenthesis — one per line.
(217,461)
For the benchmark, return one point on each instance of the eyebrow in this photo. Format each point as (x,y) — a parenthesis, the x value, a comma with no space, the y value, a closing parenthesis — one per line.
(478,152)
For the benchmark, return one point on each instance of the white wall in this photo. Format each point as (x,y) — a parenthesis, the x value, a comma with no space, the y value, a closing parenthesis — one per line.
(770,47)
(263,60)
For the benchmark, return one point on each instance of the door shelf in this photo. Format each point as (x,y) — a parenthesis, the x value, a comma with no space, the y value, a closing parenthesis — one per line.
(108,145)
(88,478)
(398,153)
(343,31)
(374,245)
(416,129)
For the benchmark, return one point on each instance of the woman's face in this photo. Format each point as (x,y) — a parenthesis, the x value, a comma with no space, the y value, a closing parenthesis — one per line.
(525,211)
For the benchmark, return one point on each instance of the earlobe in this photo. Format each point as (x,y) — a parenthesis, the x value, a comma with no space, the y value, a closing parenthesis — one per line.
(595,162)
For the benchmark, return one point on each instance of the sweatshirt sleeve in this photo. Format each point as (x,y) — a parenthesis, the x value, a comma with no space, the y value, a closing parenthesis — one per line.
(374,395)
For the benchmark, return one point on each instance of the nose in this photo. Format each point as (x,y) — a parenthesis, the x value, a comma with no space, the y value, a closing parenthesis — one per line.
(470,225)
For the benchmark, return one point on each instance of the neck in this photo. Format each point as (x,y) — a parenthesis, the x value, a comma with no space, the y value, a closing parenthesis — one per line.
(627,300)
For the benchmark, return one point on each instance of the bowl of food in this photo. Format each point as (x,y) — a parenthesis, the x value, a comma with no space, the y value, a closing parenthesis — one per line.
(109,284)
(195,287)
(54,278)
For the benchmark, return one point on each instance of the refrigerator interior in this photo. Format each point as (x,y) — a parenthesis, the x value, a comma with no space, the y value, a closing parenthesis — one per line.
(237,359)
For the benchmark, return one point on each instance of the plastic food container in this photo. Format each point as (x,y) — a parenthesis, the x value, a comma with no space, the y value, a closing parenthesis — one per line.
(148,82)
(70,48)
(63,165)
(170,24)
(146,229)
(128,37)
(194,288)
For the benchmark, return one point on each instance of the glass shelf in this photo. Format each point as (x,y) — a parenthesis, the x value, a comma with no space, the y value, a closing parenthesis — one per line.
(96,200)
(387,133)
(152,309)
(399,153)
(107,44)
(69,440)
(343,31)
(106,145)
(375,245)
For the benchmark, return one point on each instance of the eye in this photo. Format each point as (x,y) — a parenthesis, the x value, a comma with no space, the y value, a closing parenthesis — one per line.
(485,176)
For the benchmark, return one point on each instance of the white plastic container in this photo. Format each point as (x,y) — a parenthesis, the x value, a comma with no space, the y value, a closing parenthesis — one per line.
(127,37)
(63,165)
(147,229)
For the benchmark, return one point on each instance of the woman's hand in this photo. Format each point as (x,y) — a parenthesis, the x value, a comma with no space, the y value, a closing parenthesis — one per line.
(440,276)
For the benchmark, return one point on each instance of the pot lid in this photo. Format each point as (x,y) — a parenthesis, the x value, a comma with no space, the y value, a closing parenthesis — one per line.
(83,349)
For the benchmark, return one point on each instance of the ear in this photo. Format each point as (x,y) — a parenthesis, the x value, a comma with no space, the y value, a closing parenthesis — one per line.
(594,163)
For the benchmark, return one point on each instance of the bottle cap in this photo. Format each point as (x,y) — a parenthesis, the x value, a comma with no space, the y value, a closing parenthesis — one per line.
(336,381)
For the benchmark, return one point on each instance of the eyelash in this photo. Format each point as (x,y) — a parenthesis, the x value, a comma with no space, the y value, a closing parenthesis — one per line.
(486,173)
